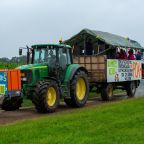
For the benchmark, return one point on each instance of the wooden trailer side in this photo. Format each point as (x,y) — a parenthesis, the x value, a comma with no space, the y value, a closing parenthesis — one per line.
(96,66)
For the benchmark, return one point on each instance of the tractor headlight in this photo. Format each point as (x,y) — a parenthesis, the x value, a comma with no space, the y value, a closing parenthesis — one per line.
(26,76)
(24,79)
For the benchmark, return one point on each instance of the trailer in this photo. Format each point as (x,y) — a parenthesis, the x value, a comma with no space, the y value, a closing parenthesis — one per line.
(96,51)
(10,89)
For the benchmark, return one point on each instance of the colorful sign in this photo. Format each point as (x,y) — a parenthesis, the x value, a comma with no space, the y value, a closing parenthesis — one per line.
(123,70)
(3,83)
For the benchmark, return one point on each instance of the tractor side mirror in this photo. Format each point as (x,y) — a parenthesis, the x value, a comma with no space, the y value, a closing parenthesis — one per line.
(20,51)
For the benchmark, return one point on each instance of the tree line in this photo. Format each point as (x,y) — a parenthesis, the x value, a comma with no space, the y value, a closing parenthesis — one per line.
(6,63)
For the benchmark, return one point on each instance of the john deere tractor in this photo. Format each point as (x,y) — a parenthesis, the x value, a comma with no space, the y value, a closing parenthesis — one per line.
(52,75)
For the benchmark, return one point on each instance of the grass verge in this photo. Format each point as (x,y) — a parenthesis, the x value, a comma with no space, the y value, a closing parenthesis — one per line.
(27,103)
(110,123)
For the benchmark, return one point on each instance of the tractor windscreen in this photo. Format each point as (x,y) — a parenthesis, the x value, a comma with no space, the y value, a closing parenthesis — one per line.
(44,55)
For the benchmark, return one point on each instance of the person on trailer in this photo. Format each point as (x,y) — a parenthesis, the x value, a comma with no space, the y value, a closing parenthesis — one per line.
(131,55)
(122,54)
(138,55)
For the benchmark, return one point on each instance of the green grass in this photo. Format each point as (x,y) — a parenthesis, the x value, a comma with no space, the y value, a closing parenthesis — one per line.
(93,93)
(110,123)
(27,103)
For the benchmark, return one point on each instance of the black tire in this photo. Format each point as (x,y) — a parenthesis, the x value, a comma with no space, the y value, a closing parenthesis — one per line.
(10,104)
(107,92)
(76,100)
(43,91)
(131,88)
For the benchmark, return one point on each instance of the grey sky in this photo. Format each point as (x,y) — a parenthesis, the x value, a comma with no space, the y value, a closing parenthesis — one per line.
(26,22)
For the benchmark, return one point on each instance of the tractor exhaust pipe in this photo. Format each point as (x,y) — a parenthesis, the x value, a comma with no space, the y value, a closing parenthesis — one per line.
(28,52)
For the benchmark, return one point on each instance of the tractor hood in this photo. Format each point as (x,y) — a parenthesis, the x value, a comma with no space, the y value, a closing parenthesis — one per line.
(32,66)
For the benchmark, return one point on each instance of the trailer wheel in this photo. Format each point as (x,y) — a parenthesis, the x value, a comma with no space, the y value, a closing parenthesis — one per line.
(46,96)
(107,92)
(131,89)
(79,90)
(12,104)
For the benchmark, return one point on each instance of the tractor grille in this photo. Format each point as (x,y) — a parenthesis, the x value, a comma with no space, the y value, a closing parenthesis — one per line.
(2,89)
(26,76)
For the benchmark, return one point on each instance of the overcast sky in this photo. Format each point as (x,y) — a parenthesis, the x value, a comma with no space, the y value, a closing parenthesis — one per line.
(27,22)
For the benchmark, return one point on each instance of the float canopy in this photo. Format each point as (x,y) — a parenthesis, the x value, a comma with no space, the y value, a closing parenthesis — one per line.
(108,38)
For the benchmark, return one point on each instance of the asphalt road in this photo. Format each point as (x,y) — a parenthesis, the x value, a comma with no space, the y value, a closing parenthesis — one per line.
(140,89)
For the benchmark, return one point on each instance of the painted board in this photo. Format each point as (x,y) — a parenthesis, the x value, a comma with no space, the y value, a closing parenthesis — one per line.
(123,70)
(3,83)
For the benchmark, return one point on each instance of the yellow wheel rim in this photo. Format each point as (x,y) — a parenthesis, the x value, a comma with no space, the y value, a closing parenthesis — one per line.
(80,88)
(51,96)
(110,91)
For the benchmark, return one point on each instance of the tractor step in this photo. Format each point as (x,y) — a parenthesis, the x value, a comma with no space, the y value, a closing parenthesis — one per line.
(65,90)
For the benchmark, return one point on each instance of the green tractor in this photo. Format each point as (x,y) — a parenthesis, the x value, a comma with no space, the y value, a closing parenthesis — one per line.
(52,75)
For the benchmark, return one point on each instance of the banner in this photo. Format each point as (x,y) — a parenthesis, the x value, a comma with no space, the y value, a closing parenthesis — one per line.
(3,83)
(123,70)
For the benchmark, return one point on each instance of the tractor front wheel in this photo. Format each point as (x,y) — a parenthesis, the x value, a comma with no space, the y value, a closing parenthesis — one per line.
(79,90)
(46,96)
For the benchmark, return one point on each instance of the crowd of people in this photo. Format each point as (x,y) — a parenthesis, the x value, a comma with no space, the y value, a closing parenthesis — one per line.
(121,54)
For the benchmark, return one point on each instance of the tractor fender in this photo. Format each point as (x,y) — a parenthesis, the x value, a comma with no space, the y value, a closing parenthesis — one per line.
(71,71)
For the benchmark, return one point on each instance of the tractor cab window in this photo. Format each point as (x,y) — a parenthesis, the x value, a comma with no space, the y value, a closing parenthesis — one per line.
(51,54)
(44,55)
(39,55)
(69,56)
(64,57)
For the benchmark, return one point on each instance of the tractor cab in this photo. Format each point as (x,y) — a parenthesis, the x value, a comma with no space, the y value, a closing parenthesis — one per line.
(50,54)
(56,57)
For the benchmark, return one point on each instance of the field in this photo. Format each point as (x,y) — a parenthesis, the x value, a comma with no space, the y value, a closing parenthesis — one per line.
(109,123)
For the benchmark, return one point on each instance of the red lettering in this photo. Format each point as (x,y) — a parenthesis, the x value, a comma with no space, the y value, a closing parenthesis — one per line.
(137,70)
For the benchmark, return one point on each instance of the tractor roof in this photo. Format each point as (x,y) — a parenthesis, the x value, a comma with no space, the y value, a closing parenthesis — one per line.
(56,45)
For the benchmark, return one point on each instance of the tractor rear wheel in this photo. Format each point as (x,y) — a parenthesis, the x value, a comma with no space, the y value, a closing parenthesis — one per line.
(107,92)
(12,104)
(46,96)
(79,90)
